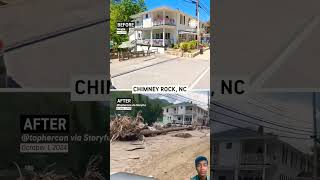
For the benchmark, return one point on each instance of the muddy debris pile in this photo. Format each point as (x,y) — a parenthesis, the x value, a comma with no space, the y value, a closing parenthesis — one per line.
(92,172)
(126,128)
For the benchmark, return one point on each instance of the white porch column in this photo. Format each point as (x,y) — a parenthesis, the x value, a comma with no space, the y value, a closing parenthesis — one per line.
(183,119)
(164,16)
(236,174)
(163,37)
(264,161)
(151,41)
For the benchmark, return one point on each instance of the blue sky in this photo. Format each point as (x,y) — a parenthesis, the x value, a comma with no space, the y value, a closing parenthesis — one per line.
(182,5)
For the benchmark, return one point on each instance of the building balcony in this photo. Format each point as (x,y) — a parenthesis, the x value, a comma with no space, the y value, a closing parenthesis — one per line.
(252,159)
(154,42)
(166,21)
(191,112)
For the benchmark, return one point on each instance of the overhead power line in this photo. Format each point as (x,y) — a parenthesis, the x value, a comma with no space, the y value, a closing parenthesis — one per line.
(281,130)
(272,111)
(301,138)
(255,117)
(249,122)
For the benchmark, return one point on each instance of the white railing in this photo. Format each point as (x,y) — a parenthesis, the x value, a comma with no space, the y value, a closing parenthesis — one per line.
(252,158)
(167,21)
(155,42)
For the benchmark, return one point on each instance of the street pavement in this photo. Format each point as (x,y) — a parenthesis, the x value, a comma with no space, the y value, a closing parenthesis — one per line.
(52,63)
(192,72)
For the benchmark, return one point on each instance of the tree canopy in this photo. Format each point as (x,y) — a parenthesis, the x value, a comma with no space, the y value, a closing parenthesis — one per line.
(151,113)
(120,11)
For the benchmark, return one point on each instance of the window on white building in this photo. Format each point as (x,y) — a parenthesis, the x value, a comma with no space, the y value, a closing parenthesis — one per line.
(167,36)
(228,145)
(147,16)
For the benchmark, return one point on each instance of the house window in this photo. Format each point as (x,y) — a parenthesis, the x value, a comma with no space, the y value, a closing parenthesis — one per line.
(215,148)
(291,159)
(167,35)
(184,20)
(167,110)
(286,155)
(147,16)
(157,36)
(179,118)
(283,154)
(180,107)
(167,16)
(228,145)
(180,18)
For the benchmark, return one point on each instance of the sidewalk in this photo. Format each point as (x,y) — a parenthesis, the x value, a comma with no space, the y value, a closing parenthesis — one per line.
(204,56)
(122,67)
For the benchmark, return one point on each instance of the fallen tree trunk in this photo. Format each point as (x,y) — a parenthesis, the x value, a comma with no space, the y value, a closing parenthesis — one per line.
(147,132)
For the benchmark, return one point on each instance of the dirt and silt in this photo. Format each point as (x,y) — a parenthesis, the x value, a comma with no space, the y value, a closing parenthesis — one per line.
(163,156)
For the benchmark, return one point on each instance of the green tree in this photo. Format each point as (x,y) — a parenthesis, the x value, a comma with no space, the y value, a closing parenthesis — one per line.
(151,112)
(120,11)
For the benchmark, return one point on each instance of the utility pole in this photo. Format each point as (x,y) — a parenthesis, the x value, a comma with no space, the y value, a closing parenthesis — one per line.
(198,25)
(315,150)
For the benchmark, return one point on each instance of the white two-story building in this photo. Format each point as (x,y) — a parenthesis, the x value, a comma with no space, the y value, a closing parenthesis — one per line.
(185,114)
(163,27)
(243,154)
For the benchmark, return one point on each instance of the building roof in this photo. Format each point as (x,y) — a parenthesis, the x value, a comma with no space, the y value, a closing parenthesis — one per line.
(241,133)
(246,134)
(185,104)
(163,8)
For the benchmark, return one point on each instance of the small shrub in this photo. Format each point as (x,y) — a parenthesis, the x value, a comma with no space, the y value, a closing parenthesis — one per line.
(190,45)
(194,44)
(184,46)
(176,46)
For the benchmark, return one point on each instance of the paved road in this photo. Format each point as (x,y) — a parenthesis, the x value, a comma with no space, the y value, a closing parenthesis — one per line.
(194,73)
(51,63)
(250,39)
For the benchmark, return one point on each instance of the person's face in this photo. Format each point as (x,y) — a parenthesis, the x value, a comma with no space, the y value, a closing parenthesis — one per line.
(202,167)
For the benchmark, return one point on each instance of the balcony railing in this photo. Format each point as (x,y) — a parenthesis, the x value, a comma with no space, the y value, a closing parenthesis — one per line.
(155,42)
(139,26)
(190,112)
(252,158)
(167,21)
